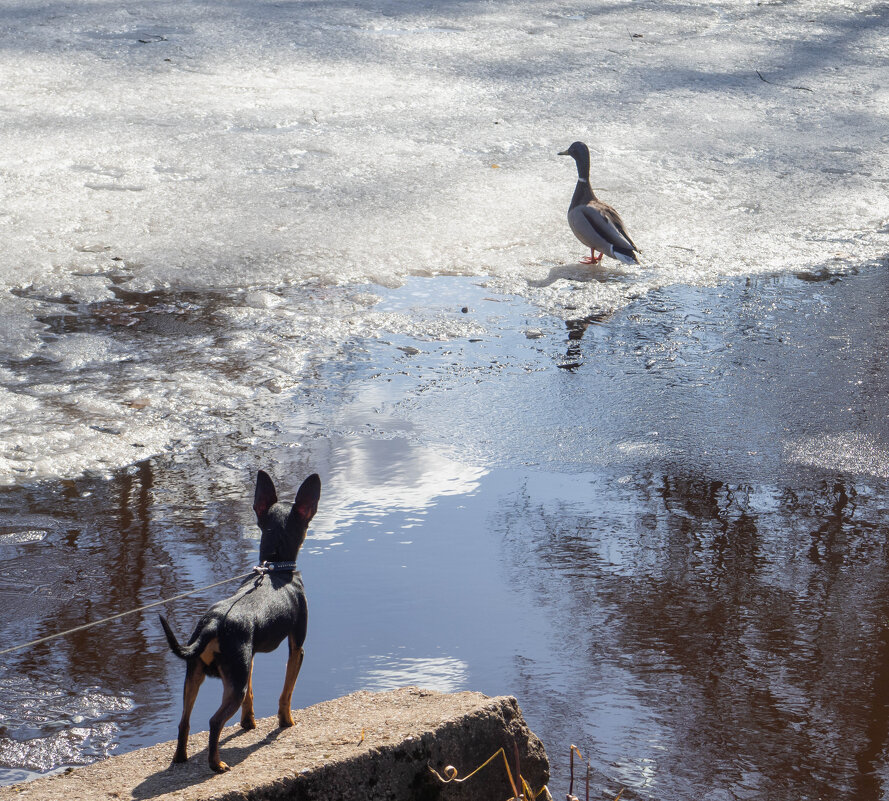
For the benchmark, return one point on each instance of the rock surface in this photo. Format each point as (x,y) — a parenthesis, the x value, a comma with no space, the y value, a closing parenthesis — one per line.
(362,746)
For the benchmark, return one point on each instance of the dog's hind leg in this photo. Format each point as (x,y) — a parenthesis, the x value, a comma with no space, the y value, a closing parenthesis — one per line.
(234,683)
(194,677)
(248,721)
(294,663)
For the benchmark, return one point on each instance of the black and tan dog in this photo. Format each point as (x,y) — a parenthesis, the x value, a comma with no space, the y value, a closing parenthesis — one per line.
(258,617)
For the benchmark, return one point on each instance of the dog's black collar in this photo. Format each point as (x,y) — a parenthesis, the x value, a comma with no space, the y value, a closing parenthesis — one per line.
(273,567)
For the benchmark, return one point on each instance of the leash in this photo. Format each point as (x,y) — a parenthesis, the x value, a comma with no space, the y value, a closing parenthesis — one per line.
(263,569)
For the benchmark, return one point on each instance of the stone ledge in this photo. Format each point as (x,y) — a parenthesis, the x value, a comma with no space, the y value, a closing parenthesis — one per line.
(363,746)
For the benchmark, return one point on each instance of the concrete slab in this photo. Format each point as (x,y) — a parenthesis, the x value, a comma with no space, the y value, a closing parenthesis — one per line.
(362,746)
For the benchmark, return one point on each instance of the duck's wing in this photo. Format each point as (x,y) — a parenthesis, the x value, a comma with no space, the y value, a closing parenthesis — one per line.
(608,224)
(610,214)
(586,231)
(598,232)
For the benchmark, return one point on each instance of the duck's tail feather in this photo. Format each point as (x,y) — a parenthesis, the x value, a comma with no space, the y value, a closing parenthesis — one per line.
(625,255)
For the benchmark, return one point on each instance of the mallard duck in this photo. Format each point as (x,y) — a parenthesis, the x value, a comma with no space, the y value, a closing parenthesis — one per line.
(593,222)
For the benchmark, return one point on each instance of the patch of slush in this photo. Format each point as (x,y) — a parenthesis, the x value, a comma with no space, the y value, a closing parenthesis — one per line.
(58,726)
(851,452)
(22,537)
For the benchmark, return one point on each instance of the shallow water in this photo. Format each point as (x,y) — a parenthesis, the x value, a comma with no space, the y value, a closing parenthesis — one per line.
(663,530)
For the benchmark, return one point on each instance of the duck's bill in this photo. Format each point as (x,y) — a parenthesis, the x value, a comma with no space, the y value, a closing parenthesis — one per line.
(563,153)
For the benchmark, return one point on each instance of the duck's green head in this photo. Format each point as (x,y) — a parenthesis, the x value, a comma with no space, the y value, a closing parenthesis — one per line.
(581,154)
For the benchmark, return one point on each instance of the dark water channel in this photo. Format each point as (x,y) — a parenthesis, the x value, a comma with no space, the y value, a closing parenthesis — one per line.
(665,532)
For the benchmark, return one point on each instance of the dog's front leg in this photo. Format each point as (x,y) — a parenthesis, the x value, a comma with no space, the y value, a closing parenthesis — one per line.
(194,677)
(294,663)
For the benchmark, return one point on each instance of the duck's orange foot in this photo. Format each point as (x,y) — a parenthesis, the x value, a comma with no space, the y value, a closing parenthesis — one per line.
(592,258)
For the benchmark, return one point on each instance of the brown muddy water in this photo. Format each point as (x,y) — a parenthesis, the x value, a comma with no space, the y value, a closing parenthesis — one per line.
(664,531)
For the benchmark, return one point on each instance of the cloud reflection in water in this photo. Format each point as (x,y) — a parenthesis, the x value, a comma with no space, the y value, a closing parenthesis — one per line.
(386,672)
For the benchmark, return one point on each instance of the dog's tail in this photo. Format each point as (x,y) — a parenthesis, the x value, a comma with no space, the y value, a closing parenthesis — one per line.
(195,648)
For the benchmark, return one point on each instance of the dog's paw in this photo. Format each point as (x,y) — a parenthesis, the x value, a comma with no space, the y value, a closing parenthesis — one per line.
(285,719)
(220,767)
(248,723)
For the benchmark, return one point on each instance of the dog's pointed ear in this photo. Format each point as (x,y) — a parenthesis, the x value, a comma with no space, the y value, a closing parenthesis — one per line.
(306,503)
(265,496)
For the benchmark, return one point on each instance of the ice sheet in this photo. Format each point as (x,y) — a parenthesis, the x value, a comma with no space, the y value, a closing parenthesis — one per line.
(240,148)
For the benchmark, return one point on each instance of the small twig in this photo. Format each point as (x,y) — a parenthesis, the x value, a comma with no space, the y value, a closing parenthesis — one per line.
(518,767)
(570,795)
(571,751)
(529,795)
(784,85)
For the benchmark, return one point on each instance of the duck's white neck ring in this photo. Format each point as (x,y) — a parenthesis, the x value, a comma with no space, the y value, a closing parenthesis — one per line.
(582,181)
